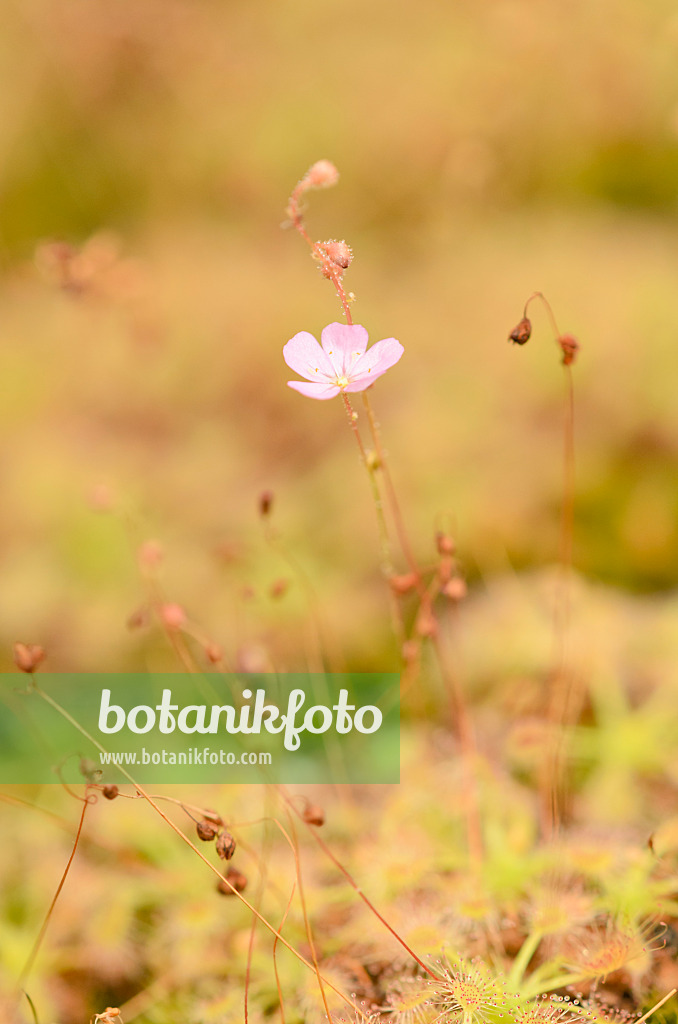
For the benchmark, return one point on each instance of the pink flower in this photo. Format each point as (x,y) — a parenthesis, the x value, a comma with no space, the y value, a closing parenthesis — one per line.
(342,364)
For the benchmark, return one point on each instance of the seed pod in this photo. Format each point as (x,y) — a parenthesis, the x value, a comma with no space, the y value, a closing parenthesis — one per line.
(206,830)
(237,880)
(569,347)
(110,791)
(225,845)
(521,332)
(313,815)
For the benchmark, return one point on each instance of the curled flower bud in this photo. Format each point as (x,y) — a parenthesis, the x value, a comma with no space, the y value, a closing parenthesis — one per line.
(265,503)
(206,831)
(110,791)
(339,253)
(27,657)
(323,174)
(236,878)
(521,332)
(569,347)
(225,845)
(313,815)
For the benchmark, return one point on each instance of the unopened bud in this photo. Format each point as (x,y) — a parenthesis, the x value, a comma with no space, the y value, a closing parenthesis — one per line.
(237,880)
(426,623)
(455,589)
(323,174)
(225,845)
(404,583)
(313,815)
(27,657)
(150,554)
(569,347)
(214,653)
(339,253)
(100,498)
(410,651)
(279,588)
(206,830)
(445,544)
(138,618)
(110,791)
(173,616)
(265,503)
(521,332)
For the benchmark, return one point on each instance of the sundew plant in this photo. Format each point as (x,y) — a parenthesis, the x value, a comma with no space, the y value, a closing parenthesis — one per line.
(485,888)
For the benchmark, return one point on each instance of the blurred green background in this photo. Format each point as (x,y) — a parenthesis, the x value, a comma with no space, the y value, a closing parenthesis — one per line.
(486,150)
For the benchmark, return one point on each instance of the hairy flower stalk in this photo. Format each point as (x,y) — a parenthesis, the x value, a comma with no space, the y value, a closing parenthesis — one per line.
(343,364)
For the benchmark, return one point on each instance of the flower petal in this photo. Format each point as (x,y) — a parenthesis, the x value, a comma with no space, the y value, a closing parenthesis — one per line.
(303,354)
(377,360)
(344,344)
(314,389)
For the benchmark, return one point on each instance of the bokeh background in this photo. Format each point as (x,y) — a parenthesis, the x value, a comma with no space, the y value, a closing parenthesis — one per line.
(147,287)
(485,150)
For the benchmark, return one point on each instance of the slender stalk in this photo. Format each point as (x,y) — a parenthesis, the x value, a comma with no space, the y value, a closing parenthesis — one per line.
(559,710)
(26,969)
(352,882)
(184,838)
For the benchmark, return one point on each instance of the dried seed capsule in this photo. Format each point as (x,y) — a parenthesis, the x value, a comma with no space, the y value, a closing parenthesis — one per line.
(313,815)
(213,816)
(237,880)
(110,791)
(265,503)
(206,831)
(225,845)
(521,332)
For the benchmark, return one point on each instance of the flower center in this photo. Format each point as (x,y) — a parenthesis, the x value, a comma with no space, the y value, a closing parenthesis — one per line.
(342,382)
